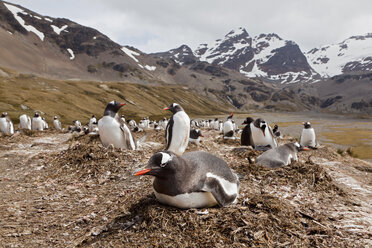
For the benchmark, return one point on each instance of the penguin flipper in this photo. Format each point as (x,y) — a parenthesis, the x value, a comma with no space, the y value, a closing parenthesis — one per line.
(129,139)
(168,132)
(273,137)
(218,188)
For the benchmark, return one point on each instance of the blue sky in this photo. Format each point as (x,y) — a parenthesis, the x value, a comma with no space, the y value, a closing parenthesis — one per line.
(160,25)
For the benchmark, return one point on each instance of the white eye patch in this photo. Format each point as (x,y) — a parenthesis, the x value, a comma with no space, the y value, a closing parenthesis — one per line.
(296,144)
(262,123)
(165,158)
(112,102)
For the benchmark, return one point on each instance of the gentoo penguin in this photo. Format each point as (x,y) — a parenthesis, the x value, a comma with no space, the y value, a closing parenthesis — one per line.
(195,135)
(24,122)
(276,131)
(308,136)
(6,124)
(112,131)
(228,128)
(246,138)
(178,130)
(57,124)
(37,123)
(45,123)
(194,180)
(262,134)
(215,124)
(194,124)
(142,124)
(280,156)
(92,123)
(220,126)
(77,123)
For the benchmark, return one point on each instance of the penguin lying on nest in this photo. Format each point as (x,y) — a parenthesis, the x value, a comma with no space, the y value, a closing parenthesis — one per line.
(280,156)
(194,180)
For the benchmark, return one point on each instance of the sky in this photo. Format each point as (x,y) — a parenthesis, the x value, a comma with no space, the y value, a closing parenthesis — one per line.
(161,25)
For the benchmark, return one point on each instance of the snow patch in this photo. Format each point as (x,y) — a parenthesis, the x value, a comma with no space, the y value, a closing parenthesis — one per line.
(48,19)
(71,53)
(58,30)
(150,68)
(130,53)
(15,10)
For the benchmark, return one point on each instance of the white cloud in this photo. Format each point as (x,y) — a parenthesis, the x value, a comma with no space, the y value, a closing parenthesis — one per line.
(161,25)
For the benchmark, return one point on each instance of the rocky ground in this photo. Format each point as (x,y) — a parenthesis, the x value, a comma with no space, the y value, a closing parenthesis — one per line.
(59,190)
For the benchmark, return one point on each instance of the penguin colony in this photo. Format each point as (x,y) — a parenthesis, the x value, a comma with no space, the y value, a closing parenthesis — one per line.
(184,180)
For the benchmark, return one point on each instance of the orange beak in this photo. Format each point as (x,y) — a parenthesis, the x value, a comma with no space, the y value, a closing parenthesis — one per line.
(201,135)
(142,172)
(122,104)
(166,108)
(305,148)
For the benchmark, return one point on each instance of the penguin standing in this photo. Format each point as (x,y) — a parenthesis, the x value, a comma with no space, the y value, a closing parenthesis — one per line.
(194,180)
(216,124)
(308,136)
(246,138)
(280,156)
(37,123)
(92,123)
(195,135)
(45,123)
(178,130)
(24,122)
(112,131)
(228,128)
(57,124)
(262,134)
(6,124)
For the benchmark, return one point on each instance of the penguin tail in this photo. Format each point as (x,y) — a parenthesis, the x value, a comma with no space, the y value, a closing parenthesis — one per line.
(141,140)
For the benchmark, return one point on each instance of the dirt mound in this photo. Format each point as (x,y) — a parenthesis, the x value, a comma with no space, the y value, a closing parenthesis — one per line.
(86,196)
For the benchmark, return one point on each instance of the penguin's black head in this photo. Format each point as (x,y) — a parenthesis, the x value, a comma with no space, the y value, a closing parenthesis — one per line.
(298,147)
(195,133)
(93,116)
(216,119)
(261,124)
(4,114)
(37,115)
(112,108)
(174,108)
(122,116)
(161,165)
(230,116)
(248,120)
(275,128)
(55,117)
(307,124)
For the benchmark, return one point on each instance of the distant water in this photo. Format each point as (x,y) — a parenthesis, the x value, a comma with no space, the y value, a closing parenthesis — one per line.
(341,131)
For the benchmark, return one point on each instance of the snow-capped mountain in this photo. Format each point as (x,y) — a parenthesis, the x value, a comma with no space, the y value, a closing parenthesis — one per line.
(352,55)
(269,57)
(265,56)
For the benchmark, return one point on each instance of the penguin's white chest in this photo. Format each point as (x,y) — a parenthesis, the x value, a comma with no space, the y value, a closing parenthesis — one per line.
(24,122)
(110,132)
(57,124)
(188,200)
(37,124)
(308,137)
(228,126)
(180,133)
(5,126)
(261,139)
